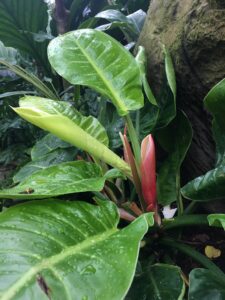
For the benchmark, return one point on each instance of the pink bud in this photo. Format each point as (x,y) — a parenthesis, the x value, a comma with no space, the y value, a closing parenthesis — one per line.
(148,173)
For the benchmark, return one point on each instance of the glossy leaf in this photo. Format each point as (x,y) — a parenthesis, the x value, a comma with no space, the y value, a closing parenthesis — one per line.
(175,140)
(217,220)
(53,158)
(47,144)
(62,179)
(62,120)
(67,250)
(211,186)
(204,284)
(158,282)
(93,58)
(17,27)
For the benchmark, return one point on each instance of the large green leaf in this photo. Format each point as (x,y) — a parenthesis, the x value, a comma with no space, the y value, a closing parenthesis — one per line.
(61,119)
(51,159)
(54,249)
(206,286)
(211,186)
(93,58)
(19,20)
(64,178)
(158,282)
(175,139)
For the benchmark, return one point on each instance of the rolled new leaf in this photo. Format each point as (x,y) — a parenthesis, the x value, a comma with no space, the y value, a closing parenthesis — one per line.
(62,120)
(148,173)
(92,58)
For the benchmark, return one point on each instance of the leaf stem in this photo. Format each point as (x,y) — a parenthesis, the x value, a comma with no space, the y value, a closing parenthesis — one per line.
(180,206)
(134,140)
(198,257)
(185,220)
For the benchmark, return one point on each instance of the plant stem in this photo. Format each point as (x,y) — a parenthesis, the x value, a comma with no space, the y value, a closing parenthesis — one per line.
(137,124)
(200,258)
(191,207)
(134,141)
(180,206)
(186,220)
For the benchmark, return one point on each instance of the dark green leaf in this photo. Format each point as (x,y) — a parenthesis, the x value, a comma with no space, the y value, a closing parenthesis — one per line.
(19,19)
(46,145)
(158,282)
(93,58)
(114,173)
(67,250)
(211,186)
(53,158)
(205,285)
(175,139)
(64,178)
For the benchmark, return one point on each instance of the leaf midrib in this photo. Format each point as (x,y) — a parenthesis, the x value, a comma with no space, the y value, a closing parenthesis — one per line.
(116,97)
(53,260)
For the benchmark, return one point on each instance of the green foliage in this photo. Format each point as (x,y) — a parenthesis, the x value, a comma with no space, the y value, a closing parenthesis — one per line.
(211,186)
(75,59)
(159,281)
(205,285)
(64,178)
(68,249)
(76,247)
(176,145)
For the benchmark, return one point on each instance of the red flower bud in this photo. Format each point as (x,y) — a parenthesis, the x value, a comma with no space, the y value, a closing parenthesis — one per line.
(148,173)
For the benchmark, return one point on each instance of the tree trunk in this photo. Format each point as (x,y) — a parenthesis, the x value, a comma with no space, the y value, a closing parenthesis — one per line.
(194,33)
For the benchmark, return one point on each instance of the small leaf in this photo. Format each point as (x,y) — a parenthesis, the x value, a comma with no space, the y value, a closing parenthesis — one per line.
(141,60)
(204,284)
(93,58)
(67,250)
(158,282)
(217,220)
(64,178)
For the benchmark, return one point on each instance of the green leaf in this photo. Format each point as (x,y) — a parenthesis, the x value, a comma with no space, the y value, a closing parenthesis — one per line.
(62,179)
(19,20)
(211,186)
(130,25)
(93,58)
(158,282)
(62,120)
(217,220)
(67,250)
(31,78)
(204,284)
(8,54)
(175,139)
(53,158)
(142,62)
(114,173)
(46,145)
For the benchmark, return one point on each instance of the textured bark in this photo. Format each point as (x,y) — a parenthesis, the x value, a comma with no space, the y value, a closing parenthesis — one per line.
(194,33)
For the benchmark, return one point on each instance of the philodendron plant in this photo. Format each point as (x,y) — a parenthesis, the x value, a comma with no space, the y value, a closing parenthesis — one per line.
(58,247)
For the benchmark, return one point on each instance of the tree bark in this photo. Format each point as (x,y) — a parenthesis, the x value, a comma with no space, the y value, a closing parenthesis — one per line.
(194,33)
